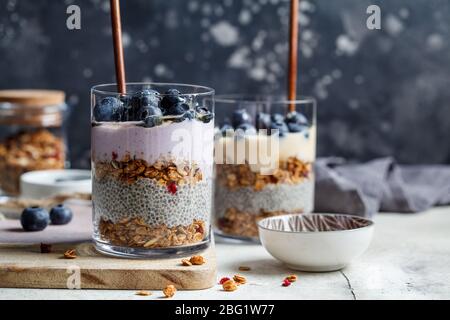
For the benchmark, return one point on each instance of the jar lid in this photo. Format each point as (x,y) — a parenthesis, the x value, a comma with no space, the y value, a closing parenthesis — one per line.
(33,98)
(40,108)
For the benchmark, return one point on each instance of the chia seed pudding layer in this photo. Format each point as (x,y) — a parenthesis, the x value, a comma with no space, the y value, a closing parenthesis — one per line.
(115,200)
(243,197)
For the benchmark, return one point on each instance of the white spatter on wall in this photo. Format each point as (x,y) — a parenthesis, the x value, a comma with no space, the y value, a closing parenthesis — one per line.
(394,26)
(346,45)
(224,33)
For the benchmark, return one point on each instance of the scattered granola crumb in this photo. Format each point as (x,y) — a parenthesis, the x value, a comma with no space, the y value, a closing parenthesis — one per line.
(143,293)
(46,248)
(229,285)
(70,254)
(291,278)
(169,291)
(286,283)
(223,280)
(197,260)
(239,279)
(186,262)
(244,268)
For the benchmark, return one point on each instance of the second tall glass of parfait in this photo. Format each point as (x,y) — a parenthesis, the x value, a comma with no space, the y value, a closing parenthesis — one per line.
(265,149)
(152,165)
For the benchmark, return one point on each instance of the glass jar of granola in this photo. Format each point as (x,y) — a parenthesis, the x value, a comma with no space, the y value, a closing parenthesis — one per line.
(152,164)
(32,134)
(265,149)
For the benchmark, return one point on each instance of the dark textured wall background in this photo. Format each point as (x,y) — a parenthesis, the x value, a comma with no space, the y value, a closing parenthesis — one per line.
(383,92)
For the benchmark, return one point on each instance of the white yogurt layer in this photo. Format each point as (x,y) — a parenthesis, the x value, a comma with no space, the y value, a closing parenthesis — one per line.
(190,140)
(263,151)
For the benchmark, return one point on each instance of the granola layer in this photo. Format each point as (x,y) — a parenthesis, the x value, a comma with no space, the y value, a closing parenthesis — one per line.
(134,232)
(292,171)
(244,224)
(29,151)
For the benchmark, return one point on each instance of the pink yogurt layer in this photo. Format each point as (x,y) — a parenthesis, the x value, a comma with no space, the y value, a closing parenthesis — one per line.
(190,140)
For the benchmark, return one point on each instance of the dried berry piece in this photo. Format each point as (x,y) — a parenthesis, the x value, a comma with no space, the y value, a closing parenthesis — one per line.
(239,279)
(172,188)
(286,283)
(229,285)
(46,248)
(291,278)
(244,268)
(186,262)
(70,254)
(169,291)
(197,260)
(143,293)
(223,280)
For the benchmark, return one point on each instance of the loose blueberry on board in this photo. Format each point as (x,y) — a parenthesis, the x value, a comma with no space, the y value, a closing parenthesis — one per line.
(240,116)
(34,219)
(281,127)
(296,127)
(263,120)
(60,215)
(296,117)
(247,128)
(152,121)
(108,109)
(171,97)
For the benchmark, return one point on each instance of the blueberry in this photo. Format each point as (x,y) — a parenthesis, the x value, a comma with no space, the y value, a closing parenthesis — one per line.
(296,117)
(60,215)
(177,109)
(240,116)
(189,115)
(147,111)
(281,127)
(34,219)
(204,114)
(277,118)
(247,128)
(171,97)
(263,120)
(108,109)
(296,127)
(152,121)
(226,127)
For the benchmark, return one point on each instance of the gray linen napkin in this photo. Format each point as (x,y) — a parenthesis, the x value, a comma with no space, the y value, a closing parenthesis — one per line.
(379,185)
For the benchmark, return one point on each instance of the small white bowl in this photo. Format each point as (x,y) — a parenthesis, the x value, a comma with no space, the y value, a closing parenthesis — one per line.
(47,183)
(316,242)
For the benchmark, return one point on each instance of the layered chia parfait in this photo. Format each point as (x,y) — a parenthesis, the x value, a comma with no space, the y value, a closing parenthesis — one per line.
(265,150)
(152,164)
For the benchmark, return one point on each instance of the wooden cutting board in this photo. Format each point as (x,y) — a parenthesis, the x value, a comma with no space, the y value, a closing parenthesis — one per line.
(22,265)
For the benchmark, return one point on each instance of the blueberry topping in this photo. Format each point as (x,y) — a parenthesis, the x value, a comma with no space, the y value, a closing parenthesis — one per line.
(147,111)
(281,127)
(296,127)
(204,114)
(189,115)
(171,98)
(225,128)
(177,109)
(240,116)
(34,219)
(247,128)
(263,120)
(296,117)
(108,109)
(152,121)
(60,215)
(277,118)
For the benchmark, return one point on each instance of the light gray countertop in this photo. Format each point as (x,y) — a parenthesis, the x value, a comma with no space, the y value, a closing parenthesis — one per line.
(409,258)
